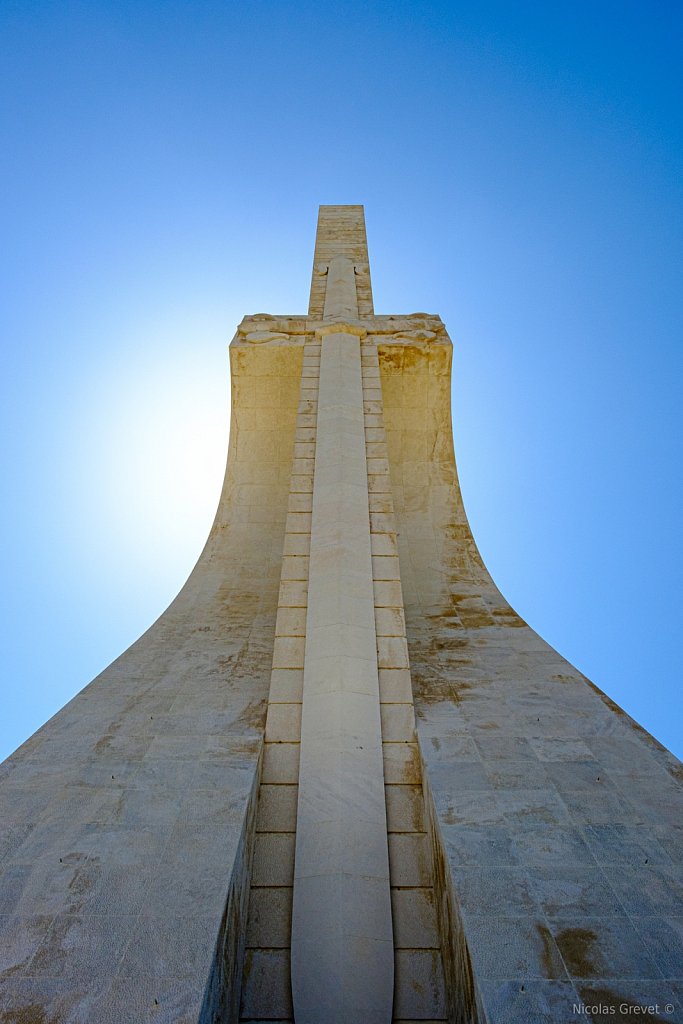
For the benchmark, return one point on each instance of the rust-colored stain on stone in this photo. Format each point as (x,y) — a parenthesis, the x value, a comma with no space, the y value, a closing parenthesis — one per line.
(33,1014)
(412,770)
(575,945)
(548,960)
(254,715)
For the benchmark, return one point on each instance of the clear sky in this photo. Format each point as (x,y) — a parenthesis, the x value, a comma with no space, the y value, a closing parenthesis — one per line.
(161,168)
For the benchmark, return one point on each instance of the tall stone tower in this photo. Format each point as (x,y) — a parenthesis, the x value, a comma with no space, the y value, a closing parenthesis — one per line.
(340,781)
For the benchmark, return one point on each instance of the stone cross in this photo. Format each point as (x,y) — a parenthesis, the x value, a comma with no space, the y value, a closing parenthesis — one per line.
(342,942)
(340,780)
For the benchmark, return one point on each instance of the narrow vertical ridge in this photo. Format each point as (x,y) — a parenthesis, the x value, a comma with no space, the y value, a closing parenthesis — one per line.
(342,947)
(266,986)
(420,988)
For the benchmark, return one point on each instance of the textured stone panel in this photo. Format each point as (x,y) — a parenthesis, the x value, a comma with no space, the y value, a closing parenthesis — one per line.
(126,817)
(342,949)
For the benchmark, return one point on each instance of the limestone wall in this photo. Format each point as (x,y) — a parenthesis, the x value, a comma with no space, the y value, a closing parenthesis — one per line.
(125,822)
(561,820)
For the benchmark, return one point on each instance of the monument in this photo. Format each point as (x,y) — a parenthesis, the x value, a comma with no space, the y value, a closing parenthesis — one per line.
(340,781)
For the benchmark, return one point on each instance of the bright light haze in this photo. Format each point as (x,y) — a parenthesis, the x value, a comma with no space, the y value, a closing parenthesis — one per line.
(520,167)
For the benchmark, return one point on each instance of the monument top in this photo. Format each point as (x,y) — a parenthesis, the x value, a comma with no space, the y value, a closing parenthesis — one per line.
(341,232)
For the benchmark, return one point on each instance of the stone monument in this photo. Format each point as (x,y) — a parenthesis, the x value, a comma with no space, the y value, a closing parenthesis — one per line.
(340,781)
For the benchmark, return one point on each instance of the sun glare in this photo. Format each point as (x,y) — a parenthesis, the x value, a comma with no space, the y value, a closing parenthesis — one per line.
(152,443)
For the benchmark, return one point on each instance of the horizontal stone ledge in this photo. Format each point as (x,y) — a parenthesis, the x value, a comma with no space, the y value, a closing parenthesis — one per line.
(295,326)
(341,326)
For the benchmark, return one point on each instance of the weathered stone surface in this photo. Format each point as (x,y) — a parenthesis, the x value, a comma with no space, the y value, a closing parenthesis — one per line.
(559,818)
(126,818)
(345,624)
(342,948)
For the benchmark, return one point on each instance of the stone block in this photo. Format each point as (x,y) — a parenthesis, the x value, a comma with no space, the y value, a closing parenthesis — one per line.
(290,622)
(387,593)
(298,522)
(525,807)
(405,808)
(373,420)
(600,805)
(270,917)
(273,859)
(398,723)
(281,763)
(410,859)
(371,394)
(505,947)
(563,890)
(560,749)
(288,652)
(390,622)
(395,685)
(276,808)
(414,917)
(266,990)
(297,544)
(550,844)
(301,484)
(522,775)
(286,685)
(401,763)
(293,594)
(304,449)
(392,652)
(419,987)
(381,514)
(618,844)
(479,844)
(283,723)
(385,568)
(496,891)
(663,938)
(647,890)
(384,544)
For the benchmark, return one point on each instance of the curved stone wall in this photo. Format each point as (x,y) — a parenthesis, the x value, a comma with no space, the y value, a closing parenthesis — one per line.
(560,818)
(125,822)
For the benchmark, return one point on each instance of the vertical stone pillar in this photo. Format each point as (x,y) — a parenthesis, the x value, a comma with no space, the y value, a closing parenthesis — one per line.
(266,989)
(342,944)
(340,297)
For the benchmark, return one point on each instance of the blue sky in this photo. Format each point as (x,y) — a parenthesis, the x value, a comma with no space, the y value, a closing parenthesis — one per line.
(520,165)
